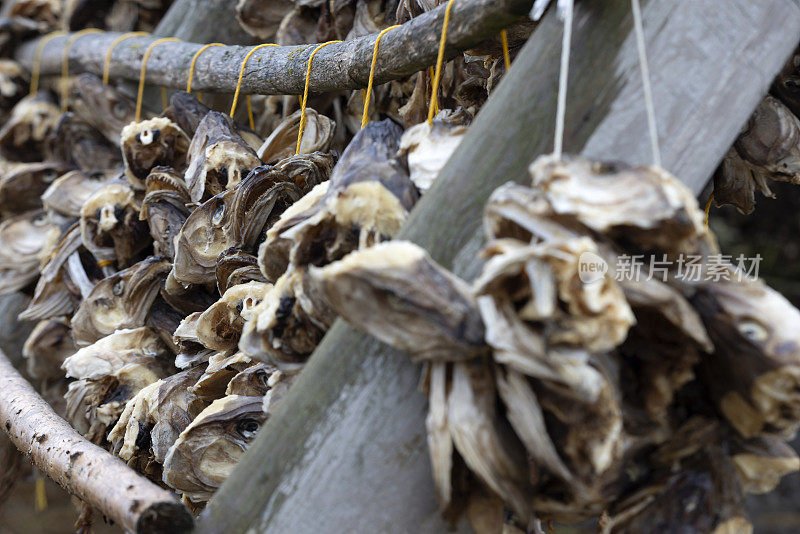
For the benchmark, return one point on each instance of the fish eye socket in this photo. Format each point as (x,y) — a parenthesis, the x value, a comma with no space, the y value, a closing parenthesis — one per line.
(753,331)
(247,428)
(118,287)
(219,213)
(148,136)
(49,176)
(119,110)
(40,220)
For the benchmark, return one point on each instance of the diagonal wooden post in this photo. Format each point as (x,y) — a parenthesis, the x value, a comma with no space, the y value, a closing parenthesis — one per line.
(346,451)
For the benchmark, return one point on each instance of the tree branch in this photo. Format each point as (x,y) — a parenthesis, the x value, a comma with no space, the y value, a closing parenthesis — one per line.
(282,70)
(82,468)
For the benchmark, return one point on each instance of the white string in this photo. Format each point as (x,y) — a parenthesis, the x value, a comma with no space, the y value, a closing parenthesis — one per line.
(563,77)
(648,94)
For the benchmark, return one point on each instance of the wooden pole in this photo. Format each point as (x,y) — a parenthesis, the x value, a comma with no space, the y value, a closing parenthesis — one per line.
(282,70)
(82,468)
(346,450)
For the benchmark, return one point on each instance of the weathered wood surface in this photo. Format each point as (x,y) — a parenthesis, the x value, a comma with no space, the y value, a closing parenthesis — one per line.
(282,70)
(82,468)
(203,21)
(346,451)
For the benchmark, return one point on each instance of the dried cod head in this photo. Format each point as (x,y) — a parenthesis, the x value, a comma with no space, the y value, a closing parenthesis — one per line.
(190,351)
(46,348)
(209,448)
(110,225)
(77,143)
(164,208)
(235,267)
(21,187)
(122,300)
(282,142)
(220,326)
(235,218)
(770,141)
(285,328)
(32,120)
(102,106)
(398,294)
(23,240)
(218,158)
(644,205)
(14,83)
(222,367)
(367,200)
(68,193)
(428,147)
(152,143)
(261,18)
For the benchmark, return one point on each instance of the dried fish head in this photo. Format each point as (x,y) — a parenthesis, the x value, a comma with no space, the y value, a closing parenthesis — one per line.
(46,348)
(218,157)
(428,147)
(45,12)
(275,252)
(32,120)
(770,141)
(398,294)
(234,267)
(735,183)
(304,170)
(256,380)
(209,448)
(368,199)
(222,367)
(220,326)
(164,208)
(123,348)
(77,143)
(285,328)
(23,240)
(645,205)
(282,142)
(110,225)
(21,188)
(190,351)
(13,83)
(102,106)
(149,144)
(235,218)
(122,300)
(261,18)
(754,373)
(68,193)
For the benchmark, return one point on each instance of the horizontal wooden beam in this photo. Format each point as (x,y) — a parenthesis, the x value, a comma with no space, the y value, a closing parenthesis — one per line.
(282,70)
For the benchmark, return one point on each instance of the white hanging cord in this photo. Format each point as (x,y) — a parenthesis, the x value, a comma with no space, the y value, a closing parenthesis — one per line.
(648,94)
(565,10)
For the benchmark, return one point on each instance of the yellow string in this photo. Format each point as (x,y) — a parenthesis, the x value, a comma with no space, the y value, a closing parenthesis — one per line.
(435,102)
(239,85)
(65,65)
(438,73)
(104,263)
(707,211)
(118,40)
(194,60)
(40,494)
(368,92)
(164,98)
(304,100)
(506,55)
(147,53)
(37,59)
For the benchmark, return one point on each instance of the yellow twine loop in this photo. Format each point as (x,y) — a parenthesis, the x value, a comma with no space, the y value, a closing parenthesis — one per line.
(304,100)
(118,40)
(239,86)
(438,73)
(37,59)
(65,65)
(194,60)
(104,263)
(146,57)
(368,92)
(707,210)
(506,55)
(40,494)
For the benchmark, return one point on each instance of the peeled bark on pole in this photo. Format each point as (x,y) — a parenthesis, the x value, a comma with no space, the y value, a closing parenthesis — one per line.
(345,451)
(82,468)
(282,70)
